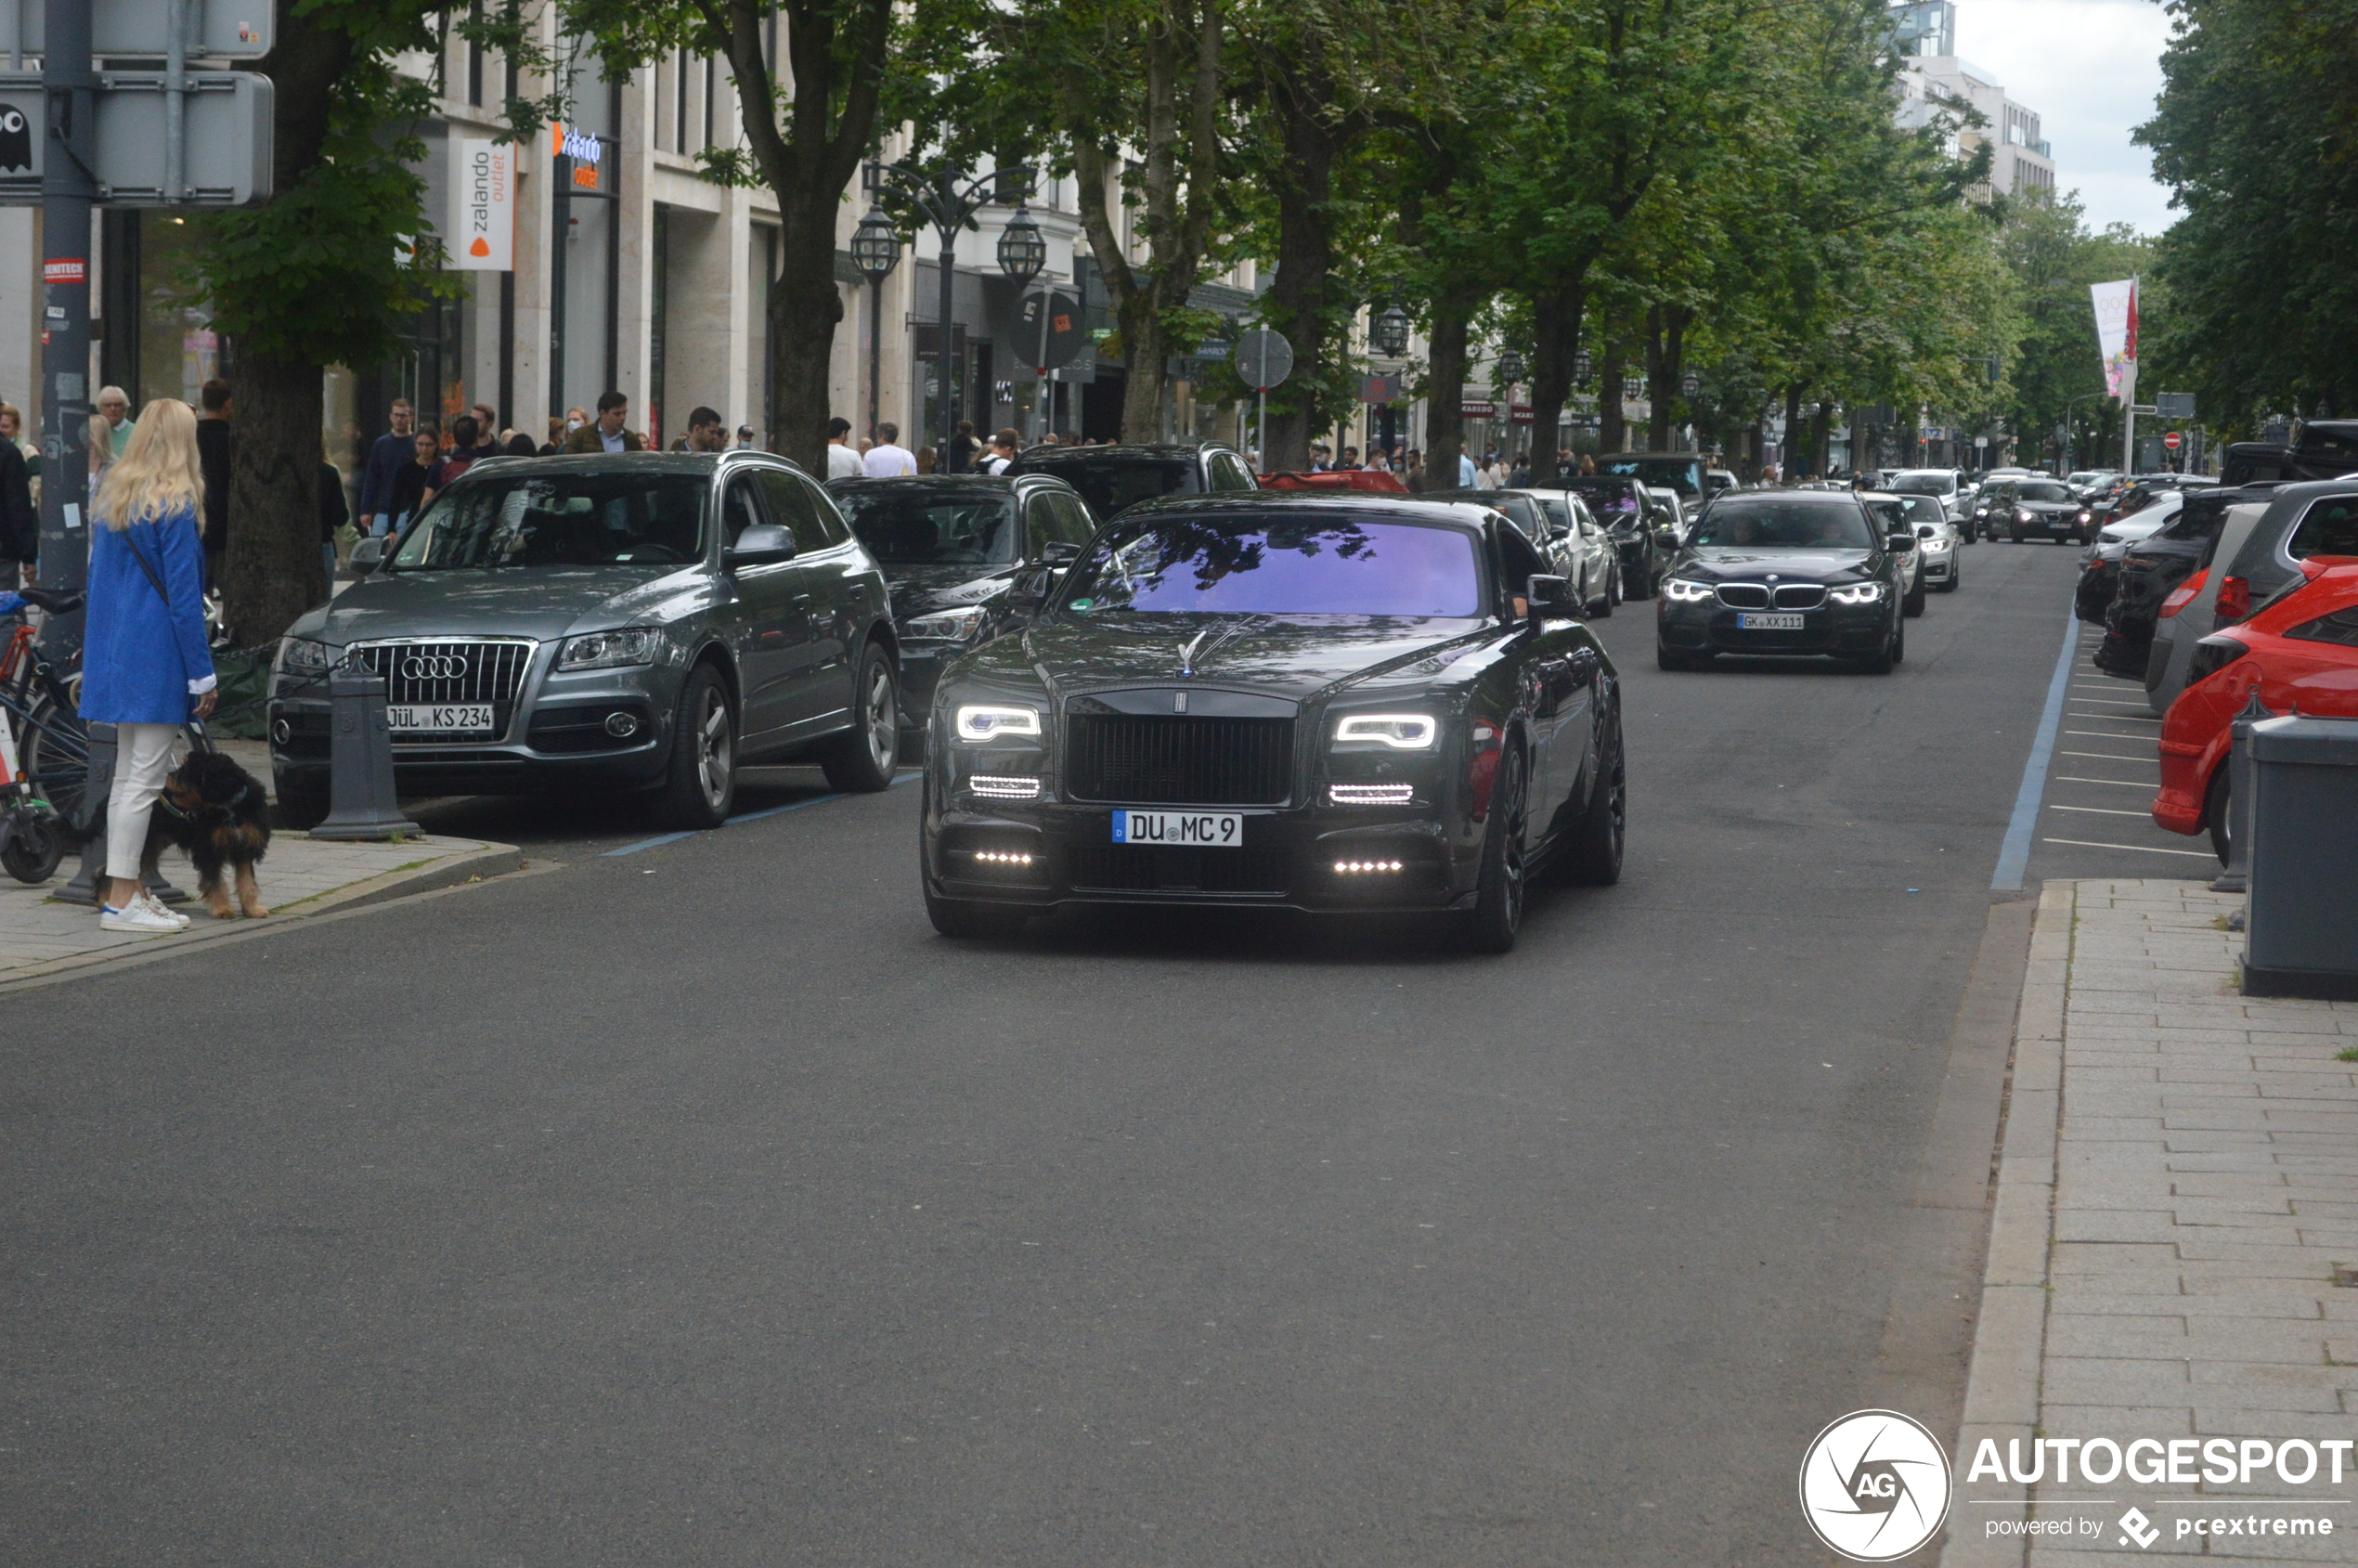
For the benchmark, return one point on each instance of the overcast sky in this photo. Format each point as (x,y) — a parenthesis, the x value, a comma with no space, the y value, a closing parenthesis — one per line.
(2089,69)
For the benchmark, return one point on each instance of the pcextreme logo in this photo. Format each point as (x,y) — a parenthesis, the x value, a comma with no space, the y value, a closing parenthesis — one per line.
(1875,1486)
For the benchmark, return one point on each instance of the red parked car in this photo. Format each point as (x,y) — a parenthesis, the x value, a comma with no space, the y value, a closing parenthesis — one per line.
(1377,480)
(2301,650)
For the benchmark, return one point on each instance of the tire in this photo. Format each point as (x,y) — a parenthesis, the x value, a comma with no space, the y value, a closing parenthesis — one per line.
(296,808)
(1593,858)
(1913,604)
(963,917)
(1612,595)
(700,782)
(2218,810)
(1882,663)
(2013,535)
(1954,579)
(35,845)
(860,759)
(1498,898)
(1899,642)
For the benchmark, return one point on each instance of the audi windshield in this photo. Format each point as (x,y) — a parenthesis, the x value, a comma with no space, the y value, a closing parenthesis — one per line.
(523,519)
(1242,565)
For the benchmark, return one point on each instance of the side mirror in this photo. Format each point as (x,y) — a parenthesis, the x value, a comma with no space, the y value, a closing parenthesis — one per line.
(1559,531)
(369,554)
(1925,530)
(1543,593)
(761,544)
(1059,553)
(1901,538)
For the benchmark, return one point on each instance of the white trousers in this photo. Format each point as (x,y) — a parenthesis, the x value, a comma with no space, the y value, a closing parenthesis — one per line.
(142,758)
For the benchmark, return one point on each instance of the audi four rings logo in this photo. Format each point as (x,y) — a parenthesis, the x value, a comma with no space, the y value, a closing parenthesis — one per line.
(432,667)
(1875,1486)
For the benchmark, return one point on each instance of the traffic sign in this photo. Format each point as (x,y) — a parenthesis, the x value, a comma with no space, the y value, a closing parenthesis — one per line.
(1378,389)
(2174,405)
(228,136)
(1050,327)
(1263,358)
(221,30)
(2174,441)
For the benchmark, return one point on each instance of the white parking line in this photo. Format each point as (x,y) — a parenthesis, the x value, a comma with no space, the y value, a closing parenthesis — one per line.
(2148,849)
(2125,783)
(2107,755)
(2102,811)
(2102,702)
(2107,735)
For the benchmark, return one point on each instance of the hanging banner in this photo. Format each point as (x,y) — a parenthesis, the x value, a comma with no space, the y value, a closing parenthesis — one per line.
(2117,334)
(483,206)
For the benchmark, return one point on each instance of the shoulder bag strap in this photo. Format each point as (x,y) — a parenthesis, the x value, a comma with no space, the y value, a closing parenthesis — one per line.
(196,736)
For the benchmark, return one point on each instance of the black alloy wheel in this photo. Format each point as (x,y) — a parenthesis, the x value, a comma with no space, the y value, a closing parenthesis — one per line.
(700,782)
(1593,858)
(1498,912)
(1881,660)
(1612,594)
(2218,810)
(860,759)
(1956,576)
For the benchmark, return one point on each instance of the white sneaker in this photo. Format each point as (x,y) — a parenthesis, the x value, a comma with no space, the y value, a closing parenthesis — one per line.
(139,916)
(158,906)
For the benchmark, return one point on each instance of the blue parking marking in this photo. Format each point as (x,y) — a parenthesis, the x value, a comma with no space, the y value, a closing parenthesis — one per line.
(2013,856)
(661,840)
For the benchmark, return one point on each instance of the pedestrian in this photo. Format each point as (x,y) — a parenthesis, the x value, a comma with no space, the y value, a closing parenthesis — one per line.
(334,515)
(115,403)
(1415,479)
(1588,464)
(408,491)
(12,431)
(1489,476)
(744,438)
(145,666)
(1467,472)
(520,445)
(887,459)
(1349,459)
(705,433)
(1003,447)
(1319,455)
(215,450)
(612,433)
(1519,477)
(387,455)
(97,441)
(963,446)
(842,461)
(556,445)
(20,518)
(461,456)
(925,460)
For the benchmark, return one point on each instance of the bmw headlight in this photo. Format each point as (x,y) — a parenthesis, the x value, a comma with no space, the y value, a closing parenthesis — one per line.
(1678,590)
(979,721)
(1402,731)
(610,650)
(1855,593)
(1935,545)
(301,656)
(954,626)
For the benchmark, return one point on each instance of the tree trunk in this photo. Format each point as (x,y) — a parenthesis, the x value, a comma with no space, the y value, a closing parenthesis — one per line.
(805,307)
(1142,357)
(1555,337)
(1665,368)
(1613,429)
(1818,441)
(1445,391)
(1296,304)
(1792,431)
(273,571)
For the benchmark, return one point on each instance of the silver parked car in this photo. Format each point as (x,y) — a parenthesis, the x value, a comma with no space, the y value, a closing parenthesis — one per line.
(1937,542)
(643,624)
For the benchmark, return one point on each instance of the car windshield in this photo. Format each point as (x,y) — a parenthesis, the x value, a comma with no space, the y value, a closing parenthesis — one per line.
(1278,566)
(1114,485)
(537,518)
(1682,474)
(1788,521)
(1610,498)
(1559,510)
(2041,490)
(1923,509)
(1924,485)
(925,527)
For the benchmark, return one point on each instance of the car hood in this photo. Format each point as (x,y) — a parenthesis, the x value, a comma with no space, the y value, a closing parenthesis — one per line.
(1720,564)
(536,602)
(917,590)
(1299,659)
(2043,506)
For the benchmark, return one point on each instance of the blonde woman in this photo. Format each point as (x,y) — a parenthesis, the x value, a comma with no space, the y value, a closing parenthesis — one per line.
(145,666)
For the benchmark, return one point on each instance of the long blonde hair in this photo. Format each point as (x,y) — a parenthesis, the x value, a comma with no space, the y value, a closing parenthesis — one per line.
(158,474)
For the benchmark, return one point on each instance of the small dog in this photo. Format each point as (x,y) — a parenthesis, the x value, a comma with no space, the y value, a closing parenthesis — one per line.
(219,815)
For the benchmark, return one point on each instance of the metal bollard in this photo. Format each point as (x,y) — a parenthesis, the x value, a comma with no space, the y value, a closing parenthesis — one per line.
(2301,935)
(2237,876)
(90,822)
(360,797)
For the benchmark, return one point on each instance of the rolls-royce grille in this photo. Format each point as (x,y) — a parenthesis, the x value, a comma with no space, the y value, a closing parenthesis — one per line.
(1162,869)
(1743,596)
(1801,596)
(1141,759)
(447,672)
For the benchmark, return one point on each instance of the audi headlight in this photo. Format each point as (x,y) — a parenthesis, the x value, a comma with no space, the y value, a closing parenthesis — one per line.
(301,656)
(953,625)
(1855,593)
(1402,731)
(610,650)
(1678,590)
(978,721)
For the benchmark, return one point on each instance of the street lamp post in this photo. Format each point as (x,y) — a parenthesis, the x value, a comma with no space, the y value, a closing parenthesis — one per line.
(875,251)
(949,200)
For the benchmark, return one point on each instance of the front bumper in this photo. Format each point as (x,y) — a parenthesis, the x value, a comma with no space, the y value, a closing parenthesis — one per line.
(1838,630)
(2179,804)
(1940,566)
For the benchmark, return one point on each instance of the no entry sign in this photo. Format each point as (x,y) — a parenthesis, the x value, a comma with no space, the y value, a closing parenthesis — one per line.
(2173,440)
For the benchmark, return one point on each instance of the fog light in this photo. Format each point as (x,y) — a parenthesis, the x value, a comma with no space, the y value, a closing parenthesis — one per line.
(1361,868)
(281,732)
(1371,795)
(1004,786)
(622,726)
(1000,857)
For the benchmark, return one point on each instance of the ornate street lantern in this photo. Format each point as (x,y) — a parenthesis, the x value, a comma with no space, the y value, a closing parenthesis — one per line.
(1581,367)
(1391,331)
(1689,384)
(876,246)
(1023,251)
(1510,368)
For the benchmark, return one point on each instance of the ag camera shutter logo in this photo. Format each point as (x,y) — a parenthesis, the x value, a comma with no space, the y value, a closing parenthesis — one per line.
(1875,1486)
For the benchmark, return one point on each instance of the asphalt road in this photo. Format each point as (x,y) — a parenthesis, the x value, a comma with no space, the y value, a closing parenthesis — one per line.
(699,1204)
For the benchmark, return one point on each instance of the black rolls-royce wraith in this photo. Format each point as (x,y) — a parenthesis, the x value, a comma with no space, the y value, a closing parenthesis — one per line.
(1324,702)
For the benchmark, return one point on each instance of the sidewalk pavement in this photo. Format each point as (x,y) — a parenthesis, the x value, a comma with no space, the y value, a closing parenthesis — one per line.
(2177,1196)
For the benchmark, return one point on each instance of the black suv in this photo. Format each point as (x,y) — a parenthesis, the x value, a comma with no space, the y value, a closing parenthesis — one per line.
(1113,479)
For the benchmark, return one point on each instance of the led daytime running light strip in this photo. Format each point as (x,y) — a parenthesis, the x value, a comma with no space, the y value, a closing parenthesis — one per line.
(1352,868)
(1004,786)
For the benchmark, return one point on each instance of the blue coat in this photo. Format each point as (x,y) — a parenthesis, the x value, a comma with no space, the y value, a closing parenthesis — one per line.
(137,655)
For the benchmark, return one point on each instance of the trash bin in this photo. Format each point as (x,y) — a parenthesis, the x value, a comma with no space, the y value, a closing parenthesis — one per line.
(2302,928)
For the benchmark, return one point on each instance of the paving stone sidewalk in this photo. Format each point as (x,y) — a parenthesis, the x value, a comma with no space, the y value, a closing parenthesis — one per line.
(2178,1190)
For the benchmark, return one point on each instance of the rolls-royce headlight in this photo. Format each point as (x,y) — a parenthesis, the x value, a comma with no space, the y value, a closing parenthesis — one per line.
(953,625)
(1402,731)
(1855,593)
(978,721)
(1678,590)
(610,650)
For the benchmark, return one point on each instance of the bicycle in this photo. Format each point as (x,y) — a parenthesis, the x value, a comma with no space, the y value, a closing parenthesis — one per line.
(33,833)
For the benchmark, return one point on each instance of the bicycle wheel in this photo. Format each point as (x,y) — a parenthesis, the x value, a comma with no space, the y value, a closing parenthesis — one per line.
(55,746)
(32,844)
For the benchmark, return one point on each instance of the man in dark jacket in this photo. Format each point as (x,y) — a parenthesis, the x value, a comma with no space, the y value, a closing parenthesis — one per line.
(609,431)
(20,523)
(385,457)
(212,459)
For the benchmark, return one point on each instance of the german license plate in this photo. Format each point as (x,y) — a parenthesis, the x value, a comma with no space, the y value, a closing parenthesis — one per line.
(1779,620)
(438,718)
(1215,830)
